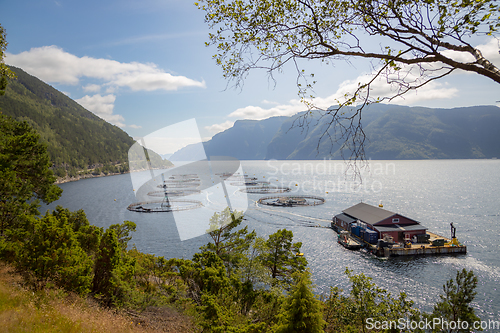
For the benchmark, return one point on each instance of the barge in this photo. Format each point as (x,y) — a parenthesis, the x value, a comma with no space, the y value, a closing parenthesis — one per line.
(389,234)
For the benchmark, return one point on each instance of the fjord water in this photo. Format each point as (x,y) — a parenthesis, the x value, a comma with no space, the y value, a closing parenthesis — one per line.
(435,193)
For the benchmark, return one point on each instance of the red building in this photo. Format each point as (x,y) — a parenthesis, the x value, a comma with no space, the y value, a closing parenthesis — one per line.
(383,221)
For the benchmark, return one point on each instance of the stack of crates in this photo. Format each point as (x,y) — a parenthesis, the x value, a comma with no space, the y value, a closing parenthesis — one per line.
(355,230)
(371,236)
(362,232)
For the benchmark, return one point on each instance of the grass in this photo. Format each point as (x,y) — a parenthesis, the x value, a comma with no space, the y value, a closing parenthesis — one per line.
(54,311)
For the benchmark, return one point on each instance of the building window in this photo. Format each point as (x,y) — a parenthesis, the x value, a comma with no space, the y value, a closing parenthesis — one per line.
(396,220)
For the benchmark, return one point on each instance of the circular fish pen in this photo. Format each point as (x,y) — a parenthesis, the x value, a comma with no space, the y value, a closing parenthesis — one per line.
(250,183)
(178,185)
(173,192)
(187,175)
(182,180)
(292,201)
(164,206)
(265,189)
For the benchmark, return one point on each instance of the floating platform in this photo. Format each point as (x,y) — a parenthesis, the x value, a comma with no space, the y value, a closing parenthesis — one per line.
(412,249)
(417,249)
(449,247)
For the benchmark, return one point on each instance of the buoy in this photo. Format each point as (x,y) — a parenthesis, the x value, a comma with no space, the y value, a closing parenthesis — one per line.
(380,205)
(299,254)
(296,185)
(115,199)
(326,192)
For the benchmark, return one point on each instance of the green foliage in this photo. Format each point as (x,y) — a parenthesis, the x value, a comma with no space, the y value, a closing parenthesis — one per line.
(25,177)
(229,244)
(123,232)
(366,300)
(302,312)
(88,235)
(456,302)
(157,281)
(47,250)
(114,268)
(280,257)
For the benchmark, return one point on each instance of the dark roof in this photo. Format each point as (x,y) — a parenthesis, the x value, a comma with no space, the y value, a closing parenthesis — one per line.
(345,218)
(368,213)
(398,227)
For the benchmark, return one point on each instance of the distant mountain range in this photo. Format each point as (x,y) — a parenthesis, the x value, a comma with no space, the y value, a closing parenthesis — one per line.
(76,138)
(392,131)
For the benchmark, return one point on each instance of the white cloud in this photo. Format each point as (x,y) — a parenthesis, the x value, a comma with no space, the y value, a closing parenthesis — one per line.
(490,51)
(92,88)
(134,126)
(102,106)
(149,81)
(216,128)
(380,87)
(110,90)
(53,64)
(257,112)
(265,101)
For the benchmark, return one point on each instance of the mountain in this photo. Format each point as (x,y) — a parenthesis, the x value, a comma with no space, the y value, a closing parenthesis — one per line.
(246,140)
(76,138)
(392,131)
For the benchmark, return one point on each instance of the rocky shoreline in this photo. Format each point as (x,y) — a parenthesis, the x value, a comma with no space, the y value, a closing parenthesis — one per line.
(67,179)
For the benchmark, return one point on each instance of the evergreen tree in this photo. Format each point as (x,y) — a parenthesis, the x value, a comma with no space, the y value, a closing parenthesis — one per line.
(89,236)
(123,232)
(47,250)
(114,270)
(228,243)
(302,312)
(456,302)
(25,177)
(280,257)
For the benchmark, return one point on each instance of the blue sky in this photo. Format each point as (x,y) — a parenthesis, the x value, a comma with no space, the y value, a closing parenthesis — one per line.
(143,65)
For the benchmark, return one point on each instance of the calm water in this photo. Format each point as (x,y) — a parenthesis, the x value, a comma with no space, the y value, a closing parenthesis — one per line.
(465,192)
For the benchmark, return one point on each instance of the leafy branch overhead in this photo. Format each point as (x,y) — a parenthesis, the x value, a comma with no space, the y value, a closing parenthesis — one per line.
(420,41)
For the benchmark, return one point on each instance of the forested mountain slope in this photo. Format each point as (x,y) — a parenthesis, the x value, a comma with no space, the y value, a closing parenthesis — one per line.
(76,138)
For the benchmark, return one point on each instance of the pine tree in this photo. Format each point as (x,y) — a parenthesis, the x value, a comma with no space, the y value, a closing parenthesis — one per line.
(280,257)
(456,302)
(302,312)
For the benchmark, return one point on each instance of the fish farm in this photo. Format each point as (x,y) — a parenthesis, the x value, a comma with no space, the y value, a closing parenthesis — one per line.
(164,206)
(292,201)
(173,192)
(265,189)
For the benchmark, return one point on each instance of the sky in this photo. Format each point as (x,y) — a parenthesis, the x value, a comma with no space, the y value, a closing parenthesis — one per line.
(143,65)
